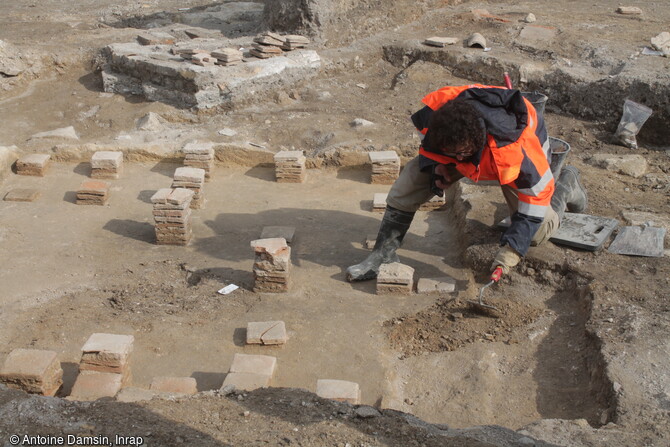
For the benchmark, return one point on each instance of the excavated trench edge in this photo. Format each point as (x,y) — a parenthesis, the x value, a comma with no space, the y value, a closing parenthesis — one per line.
(596,364)
(593,96)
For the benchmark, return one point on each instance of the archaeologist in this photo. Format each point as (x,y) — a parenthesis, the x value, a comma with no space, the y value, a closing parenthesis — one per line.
(486,134)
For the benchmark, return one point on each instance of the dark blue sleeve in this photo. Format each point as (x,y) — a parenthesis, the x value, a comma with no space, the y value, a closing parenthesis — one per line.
(521,232)
(420,118)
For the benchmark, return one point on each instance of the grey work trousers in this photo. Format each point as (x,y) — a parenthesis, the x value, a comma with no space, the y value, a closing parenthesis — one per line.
(412,189)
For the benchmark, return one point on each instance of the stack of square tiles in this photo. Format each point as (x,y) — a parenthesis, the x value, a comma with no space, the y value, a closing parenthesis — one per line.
(395,278)
(227,56)
(272,265)
(385,167)
(193,179)
(436,202)
(33,371)
(93,192)
(172,216)
(293,41)
(106,164)
(249,372)
(290,166)
(104,367)
(33,164)
(379,202)
(267,45)
(200,155)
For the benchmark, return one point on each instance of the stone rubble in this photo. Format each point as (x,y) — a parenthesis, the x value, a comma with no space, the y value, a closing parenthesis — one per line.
(272,265)
(172,216)
(290,166)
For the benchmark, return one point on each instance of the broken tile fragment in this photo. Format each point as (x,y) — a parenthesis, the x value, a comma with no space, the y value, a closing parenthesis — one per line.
(266,333)
(441,41)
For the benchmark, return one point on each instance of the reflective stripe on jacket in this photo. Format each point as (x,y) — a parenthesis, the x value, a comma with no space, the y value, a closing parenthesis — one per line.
(516,152)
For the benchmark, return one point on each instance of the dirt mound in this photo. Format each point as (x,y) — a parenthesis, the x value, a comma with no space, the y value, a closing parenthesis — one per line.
(453,323)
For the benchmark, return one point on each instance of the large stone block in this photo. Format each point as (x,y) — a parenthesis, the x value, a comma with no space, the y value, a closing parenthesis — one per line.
(33,371)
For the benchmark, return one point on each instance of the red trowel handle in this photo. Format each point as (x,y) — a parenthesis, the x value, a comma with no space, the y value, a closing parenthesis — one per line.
(497,274)
(508,80)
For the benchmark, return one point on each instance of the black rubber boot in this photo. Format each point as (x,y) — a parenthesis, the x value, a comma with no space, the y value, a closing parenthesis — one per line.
(393,228)
(569,193)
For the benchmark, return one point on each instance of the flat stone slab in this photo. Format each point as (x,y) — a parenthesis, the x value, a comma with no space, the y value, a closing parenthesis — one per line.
(266,333)
(198,148)
(441,41)
(444,284)
(22,195)
(92,385)
(255,364)
(177,385)
(107,159)
(379,202)
(339,390)
(65,132)
(384,157)
(395,273)
(189,174)
(278,232)
(651,219)
(537,33)
(246,381)
(632,165)
(580,230)
(639,241)
(289,156)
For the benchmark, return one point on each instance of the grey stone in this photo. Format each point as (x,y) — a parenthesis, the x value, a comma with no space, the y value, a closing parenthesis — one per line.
(360,122)
(430,285)
(639,241)
(525,441)
(395,273)
(662,43)
(151,122)
(366,412)
(441,41)
(536,33)
(227,132)
(530,18)
(632,165)
(653,219)
(11,61)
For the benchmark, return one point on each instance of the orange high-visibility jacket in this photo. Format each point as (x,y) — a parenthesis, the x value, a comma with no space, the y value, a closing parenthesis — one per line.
(516,152)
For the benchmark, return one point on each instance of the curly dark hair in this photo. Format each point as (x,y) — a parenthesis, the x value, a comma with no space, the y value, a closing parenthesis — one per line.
(456,126)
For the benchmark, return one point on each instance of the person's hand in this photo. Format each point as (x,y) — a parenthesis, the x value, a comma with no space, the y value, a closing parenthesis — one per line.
(506,257)
(441,172)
